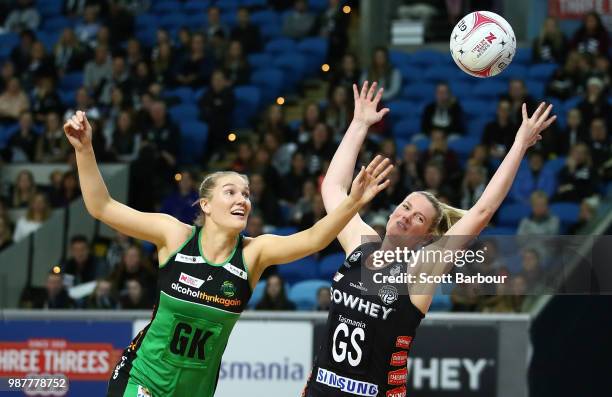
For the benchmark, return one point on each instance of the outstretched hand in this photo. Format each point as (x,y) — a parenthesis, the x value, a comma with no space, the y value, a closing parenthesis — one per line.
(531,127)
(371,180)
(78,131)
(366,104)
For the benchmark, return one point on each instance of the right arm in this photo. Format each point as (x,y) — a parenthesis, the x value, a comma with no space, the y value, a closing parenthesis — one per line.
(159,229)
(340,172)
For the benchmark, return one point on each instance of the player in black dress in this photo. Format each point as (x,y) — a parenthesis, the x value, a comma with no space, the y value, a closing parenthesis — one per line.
(370,332)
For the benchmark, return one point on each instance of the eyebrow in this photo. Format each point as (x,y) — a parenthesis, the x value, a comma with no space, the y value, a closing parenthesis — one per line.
(418,212)
(234,185)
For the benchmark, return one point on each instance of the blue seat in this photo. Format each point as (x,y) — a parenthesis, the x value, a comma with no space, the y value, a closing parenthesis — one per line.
(285,231)
(313,45)
(265,17)
(476,126)
(49,9)
(511,214)
(461,89)
(146,21)
(440,302)
(8,41)
(258,293)
(522,56)
(542,71)
(498,231)
(407,128)
(194,137)
(184,112)
(293,64)
(463,146)
(229,18)
(270,81)
(489,89)
(410,73)
(271,32)
(183,94)
(166,7)
(329,264)
(514,71)
(421,142)
(567,212)
(67,97)
(196,7)
(304,293)
(475,109)
(48,38)
(277,46)
(426,58)
(57,23)
(400,109)
(71,81)
(194,128)
(419,92)
(248,100)
(300,270)
(254,3)
(259,60)
(398,58)
(228,5)
(171,21)
(318,5)
(147,37)
(536,88)
(436,74)
(572,103)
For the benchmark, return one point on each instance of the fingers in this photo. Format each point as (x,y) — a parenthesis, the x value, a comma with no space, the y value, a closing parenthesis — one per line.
(382,186)
(371,91)
(384,173)
(383,112)
(355,92)
(382,166)
(536,114)
(379,96)
(544,116)
(374,163)
(364,90)
(548,122)
(360,175)
(524,110)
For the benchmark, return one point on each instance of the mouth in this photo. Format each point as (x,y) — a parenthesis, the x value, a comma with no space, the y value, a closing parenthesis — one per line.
(239,213)
(402,225)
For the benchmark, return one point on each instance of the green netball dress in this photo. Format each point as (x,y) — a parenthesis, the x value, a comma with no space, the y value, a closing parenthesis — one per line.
(179,352)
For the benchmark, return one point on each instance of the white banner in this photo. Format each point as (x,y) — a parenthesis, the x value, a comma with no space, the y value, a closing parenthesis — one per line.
(266,359)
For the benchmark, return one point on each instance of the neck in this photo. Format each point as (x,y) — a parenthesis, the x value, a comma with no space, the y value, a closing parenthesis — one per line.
(217,244)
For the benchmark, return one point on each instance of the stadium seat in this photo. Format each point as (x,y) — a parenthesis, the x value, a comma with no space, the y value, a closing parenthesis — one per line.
(498,231)
(410,73)
(171,21)
(228,5)
(426,58)
(248,99)
(313,45)
(511,214)
(254,3)
(56,24)
(196,7)
(265,18)
(7,42)
(398,58)
(302,269)
(166,7)
(146,21)
(49,9)
(475,109)
(284,231)
(271,32)
(489,90)
(542,71)
(567,212)
(536,88)
(270,81)
(183,94)
(318,5)
(48,38)
(463,146)
(476,126)
(401,109)
(329,264)
(257,294)
(553,166)
(184,112)
(572,103)
(522,56)
(277,46)
(293,64)
(304,293)
(194,136)
(422,142)
(67,97)
(259,60)
(441,301)
(514,71)
(406,128)
(71,81)
(437,74)
(419,92)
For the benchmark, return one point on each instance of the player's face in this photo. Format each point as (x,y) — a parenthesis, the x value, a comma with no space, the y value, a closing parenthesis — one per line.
(413,217)
(230,204)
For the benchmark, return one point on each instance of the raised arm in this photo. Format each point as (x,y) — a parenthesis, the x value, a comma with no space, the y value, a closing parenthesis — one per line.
(369,182)
(340,172)
(156,228)
(480,214)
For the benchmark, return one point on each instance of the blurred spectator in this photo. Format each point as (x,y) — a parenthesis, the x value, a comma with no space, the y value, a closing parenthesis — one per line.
(379,224)
(184,42)
(275,297)
(601,70)
(311,117)
(163,64)
(6,234)
(595,103)
(217,107)
(384,73)
(122,26)
(303,203)
(435,182)
(217,49)
(532,268)
(23,190)
(410,175)
(394,193)
(438,152)
(196,68)
(41,65)
(244,158)
(87,29)
(70,190)
(116,249)
(13,101)
(180,204)
(20,55)
(339,112)
(517,95)
(125,141)
(246,33)
(444,113)
(599,144)
(214,24)
(133,54)
(103,39)
(263,200)
(142,79)
(299,22)
(318,148)
(98,71)
(262,165)
(38,212)
(585,216)
(135,296)
(102,297)
(24,15)
(54,190)
(480,157)
(55,295)
(82,267)
(134,266)
(531,178)
(577,180)
(45,99)
(569,79)
(540,222)
(474,184)
(75,8)
(550,45)
(8,72)
(573,133)
(274,123)
(52,145)
(21,146)
(316,213)
(236,66)
(255,225)
(333,25)
(388,149)
(83,101)
(346,73)
(281,154)
(499,135)
(323,299)
(592,36)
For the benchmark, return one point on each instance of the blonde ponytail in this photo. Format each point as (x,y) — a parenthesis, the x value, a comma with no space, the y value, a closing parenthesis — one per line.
(446,215)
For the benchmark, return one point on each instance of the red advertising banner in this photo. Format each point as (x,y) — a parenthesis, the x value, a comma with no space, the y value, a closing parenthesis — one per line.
(575,9)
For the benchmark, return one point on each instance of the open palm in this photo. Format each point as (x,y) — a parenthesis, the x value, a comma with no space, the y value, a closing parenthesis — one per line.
(531,127)
(371,180)
(366,104)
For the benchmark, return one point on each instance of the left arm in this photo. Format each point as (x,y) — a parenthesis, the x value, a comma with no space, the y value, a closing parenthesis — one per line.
(481,213)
